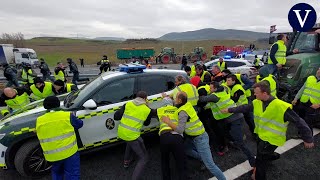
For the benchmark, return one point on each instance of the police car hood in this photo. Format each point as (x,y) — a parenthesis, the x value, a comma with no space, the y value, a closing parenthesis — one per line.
(28,113)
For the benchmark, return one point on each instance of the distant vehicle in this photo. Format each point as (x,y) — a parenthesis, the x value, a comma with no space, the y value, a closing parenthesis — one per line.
(236,66)
(127,54)
(198,54)
(95,103)
(16,56)
(237,49)
(300,66)
(224,54)
(168,55)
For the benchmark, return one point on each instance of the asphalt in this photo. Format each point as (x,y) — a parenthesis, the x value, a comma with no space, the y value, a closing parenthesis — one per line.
(297,163)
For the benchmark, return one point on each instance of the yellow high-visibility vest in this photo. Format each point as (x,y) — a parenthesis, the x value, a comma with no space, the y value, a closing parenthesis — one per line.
(280,54)
(47,91)
(56,135)
(194,126)
(269,124)
(132,121)
(171,112)
(311,91)
(190,90)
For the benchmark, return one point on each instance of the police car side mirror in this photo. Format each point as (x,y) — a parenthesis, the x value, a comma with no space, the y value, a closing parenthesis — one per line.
(90,104)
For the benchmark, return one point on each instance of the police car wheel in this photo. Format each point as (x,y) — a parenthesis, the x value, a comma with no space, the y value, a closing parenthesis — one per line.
(29,160)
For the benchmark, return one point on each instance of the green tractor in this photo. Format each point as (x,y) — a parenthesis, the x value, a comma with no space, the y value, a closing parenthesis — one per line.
(301,65)
(197,54)
(168,55)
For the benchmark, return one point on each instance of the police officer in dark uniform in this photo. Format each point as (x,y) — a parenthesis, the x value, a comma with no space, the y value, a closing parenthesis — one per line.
(45,71)
(11,75)
(105,64)
(74,69)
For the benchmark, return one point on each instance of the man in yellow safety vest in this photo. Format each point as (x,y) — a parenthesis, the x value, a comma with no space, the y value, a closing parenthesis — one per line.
(309,96)
(271,117)
(41,89)
(133,115)
(196,136)
(56,133)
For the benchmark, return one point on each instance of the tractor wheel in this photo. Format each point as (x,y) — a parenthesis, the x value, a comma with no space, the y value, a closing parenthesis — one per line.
(165,59)
(204,57)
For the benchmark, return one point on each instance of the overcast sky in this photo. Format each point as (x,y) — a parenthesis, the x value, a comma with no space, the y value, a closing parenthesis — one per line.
(141,18)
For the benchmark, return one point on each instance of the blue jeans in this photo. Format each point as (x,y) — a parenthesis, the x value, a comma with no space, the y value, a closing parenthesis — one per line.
(68,169)
(183,66)
(272,69)
(198,148)
(235,130)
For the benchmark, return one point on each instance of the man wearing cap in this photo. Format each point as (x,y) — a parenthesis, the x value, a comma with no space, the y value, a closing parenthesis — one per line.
(56,133)
(41,89)
(44,69)
(61,87)
(14,99)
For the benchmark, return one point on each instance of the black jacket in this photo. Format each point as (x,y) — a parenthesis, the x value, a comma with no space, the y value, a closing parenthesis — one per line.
(73,67)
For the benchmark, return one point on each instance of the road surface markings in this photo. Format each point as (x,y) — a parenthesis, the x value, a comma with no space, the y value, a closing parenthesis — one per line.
(244,167)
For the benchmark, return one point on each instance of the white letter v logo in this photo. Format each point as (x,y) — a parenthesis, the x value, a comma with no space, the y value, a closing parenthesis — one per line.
(299,17)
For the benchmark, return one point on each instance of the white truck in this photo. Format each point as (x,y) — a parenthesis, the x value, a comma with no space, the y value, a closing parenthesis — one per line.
(11,55)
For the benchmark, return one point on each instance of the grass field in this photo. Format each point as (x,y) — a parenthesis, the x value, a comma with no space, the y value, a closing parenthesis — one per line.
(54,50)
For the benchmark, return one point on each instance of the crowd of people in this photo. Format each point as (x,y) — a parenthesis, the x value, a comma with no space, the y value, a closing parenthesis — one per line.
(203,116)
(24,86)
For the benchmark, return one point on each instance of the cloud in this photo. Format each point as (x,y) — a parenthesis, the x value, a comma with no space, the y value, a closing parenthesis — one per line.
(140,18)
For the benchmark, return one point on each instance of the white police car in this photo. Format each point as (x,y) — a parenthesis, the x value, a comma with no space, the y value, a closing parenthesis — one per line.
(95,104)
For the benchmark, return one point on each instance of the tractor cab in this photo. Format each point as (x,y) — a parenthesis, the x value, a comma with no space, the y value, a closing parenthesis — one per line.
(301,65)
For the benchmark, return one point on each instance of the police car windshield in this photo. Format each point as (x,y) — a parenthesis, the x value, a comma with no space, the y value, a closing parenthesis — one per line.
(77,96)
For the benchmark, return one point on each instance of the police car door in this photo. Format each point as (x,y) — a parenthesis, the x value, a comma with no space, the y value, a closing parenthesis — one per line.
(99,126)
(154,85)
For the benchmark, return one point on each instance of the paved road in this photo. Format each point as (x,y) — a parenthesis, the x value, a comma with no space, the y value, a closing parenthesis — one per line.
(297,163)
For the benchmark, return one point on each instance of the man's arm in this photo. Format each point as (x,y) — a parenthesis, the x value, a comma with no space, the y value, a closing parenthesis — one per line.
(299,94)
(74,88)
(209,98)
(304,129)
(237,95)
(241,109)
(183,118)
(75,122)
(153,113)
(273,52)
(246,81)
(119,113)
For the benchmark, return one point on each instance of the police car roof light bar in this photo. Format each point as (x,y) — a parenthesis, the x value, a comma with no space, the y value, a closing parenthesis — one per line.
(132,68)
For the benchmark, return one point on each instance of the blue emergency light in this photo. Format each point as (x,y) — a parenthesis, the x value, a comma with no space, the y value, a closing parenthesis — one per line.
(227,57)
(131,68)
